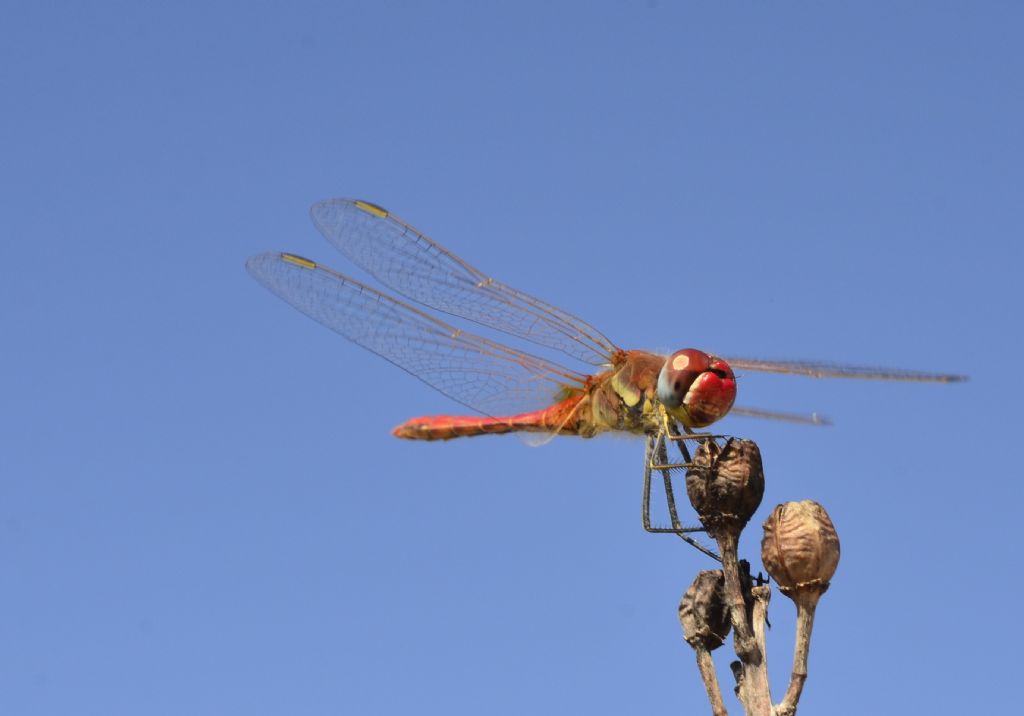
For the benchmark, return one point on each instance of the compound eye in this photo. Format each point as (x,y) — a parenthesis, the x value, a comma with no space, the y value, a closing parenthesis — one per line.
(678,374)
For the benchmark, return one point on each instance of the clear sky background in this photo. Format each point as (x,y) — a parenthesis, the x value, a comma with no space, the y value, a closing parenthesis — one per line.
(202,510)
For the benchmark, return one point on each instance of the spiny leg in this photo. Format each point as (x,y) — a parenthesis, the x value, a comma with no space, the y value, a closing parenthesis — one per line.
(670,429)
(656,458)
(648,459)
(655,444)
(701,548)
(666,476)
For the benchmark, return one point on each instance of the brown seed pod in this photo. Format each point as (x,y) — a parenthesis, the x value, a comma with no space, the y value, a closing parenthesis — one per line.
(726,484)
(702,611)
(800,548)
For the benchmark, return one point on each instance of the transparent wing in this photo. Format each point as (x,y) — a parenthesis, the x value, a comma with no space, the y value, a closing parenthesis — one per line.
(415,266)
(833,370)
(800,418)
(483,375)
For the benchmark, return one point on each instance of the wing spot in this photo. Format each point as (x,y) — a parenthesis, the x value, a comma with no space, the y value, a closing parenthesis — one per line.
(371,209)
(298,261)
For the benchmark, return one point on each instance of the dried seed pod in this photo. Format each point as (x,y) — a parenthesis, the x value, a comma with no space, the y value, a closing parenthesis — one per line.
(702,611)
(800,548)
(726,484)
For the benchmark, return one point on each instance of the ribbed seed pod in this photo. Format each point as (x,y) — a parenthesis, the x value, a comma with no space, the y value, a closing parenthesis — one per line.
(800,548)
(702,611)
(726,484)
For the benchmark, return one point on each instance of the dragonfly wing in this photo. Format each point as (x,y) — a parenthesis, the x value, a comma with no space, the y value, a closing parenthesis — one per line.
(834,370)
(801,418)
(483,375)
(419,268)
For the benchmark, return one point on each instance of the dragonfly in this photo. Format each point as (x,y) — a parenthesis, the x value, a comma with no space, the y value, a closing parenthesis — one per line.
(510,389)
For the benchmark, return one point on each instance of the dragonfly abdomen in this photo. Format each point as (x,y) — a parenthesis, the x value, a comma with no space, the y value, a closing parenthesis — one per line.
(563,418)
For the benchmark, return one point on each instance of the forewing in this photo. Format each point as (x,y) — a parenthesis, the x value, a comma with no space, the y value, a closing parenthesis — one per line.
(483,375)
(419,268)
(834,370)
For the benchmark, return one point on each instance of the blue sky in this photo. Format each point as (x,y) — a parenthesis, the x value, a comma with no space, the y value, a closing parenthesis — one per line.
(202,510)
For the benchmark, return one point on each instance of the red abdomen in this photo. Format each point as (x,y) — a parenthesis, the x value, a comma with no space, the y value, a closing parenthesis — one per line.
(561,417)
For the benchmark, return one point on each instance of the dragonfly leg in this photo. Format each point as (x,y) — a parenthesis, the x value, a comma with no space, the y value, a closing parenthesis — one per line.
(671,429)
(656,458)
(666,476)
(648,460)
(699,547)
(677,526)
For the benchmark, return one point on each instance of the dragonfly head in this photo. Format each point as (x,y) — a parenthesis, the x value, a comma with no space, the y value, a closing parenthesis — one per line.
(696,388)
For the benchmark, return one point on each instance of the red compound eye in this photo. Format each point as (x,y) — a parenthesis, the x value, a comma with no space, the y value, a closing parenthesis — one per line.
(696,388)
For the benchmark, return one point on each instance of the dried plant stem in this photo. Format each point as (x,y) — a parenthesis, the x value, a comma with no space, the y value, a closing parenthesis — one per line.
(806,603)
(707,672)
(752,685)
(743,639)
(762,595)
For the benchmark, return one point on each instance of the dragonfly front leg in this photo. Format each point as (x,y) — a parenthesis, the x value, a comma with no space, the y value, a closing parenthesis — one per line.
(669,427)
(648,464)
(666,476)
(656,458)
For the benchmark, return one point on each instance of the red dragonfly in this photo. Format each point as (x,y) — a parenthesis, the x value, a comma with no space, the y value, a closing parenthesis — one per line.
(515,391)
